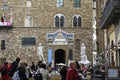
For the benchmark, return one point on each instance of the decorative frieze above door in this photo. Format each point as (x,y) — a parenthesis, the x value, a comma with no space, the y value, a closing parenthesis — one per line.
(60,38)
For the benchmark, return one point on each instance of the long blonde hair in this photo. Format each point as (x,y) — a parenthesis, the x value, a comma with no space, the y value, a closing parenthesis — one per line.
(22,64)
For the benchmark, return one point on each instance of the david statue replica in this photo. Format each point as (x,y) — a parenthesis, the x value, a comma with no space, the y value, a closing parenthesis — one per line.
(83,55)
(40,52)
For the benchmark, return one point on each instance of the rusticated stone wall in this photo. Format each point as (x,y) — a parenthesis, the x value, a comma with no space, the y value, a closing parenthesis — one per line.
(43,12)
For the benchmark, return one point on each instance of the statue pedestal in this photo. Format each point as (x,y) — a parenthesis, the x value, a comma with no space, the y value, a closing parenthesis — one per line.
(84,60)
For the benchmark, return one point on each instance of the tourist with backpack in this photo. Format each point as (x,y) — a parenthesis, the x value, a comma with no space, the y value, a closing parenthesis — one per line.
(38,75)
(20,72)
(33,69)
(43,72)
(4,71)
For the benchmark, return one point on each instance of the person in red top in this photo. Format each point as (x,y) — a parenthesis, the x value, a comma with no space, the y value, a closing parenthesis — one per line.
(5,75)
(72,73)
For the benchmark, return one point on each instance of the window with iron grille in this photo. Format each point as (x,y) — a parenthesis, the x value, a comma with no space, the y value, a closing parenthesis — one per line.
(59,3)
(76,3)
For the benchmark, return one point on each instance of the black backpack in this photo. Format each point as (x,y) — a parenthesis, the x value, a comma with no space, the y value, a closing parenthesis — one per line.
(38,76)
(3,70)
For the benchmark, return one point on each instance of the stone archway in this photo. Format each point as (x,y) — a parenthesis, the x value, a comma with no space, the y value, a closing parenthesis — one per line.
(59,56)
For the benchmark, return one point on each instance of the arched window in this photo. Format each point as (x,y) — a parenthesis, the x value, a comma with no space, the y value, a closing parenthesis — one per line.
(59,20)
(77,21)
(28,21)
(2,44)
(62,21)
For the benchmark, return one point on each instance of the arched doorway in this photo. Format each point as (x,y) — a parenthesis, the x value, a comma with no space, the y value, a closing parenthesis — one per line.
(59,56)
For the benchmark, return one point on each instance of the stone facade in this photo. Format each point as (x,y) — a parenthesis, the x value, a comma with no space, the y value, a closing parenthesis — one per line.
(111,36)
(100,32)
(43,12)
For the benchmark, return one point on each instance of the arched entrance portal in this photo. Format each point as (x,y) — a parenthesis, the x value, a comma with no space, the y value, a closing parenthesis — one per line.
(59,56)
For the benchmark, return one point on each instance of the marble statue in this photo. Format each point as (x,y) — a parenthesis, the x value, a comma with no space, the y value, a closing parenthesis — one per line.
(40,52)
(83,49)
(84,59)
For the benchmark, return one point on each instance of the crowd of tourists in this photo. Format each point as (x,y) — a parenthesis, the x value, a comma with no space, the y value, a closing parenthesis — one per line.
(18,70)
